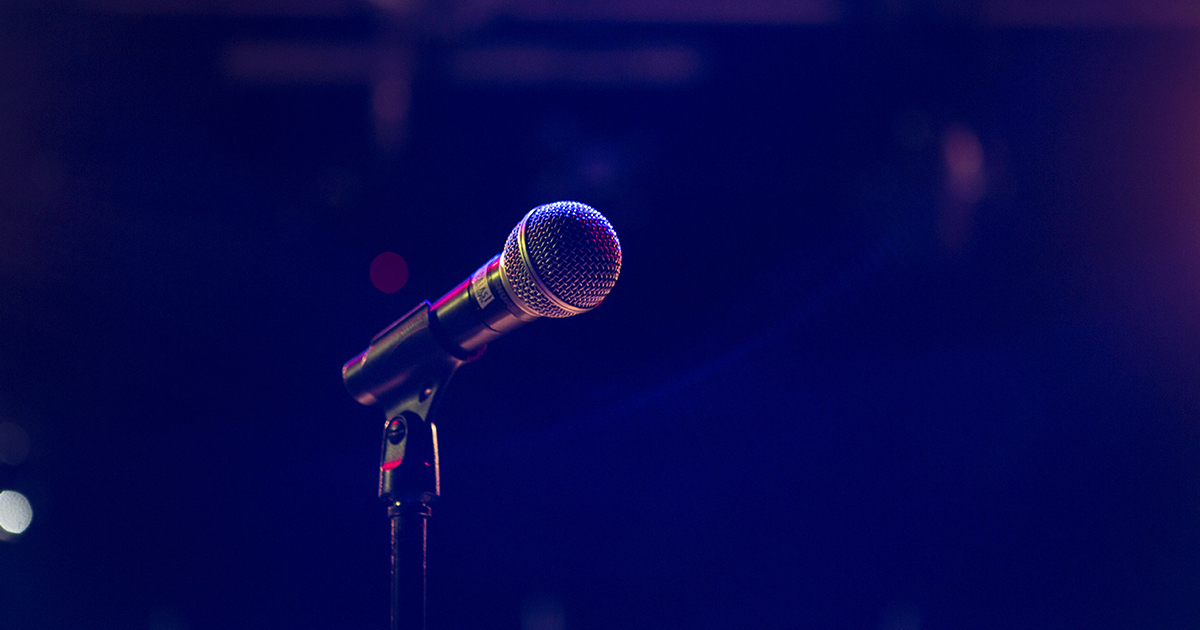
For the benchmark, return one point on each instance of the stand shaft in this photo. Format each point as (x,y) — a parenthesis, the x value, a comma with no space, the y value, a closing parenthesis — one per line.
(408,565)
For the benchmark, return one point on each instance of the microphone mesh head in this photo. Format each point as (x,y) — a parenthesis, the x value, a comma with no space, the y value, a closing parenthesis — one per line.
(572,249)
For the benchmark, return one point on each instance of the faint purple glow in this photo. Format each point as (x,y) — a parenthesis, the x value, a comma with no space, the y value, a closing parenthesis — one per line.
(543,613)
(391,94)
(389,272)
(167,619)
(695,11)
(284,63)
(14,443)
(965,184)
(903,616)
(531,65)
(962,154)
(598,169)
(387,69)
(653,11)
(390,100)
(399,6)
(1121,13)
(295,8)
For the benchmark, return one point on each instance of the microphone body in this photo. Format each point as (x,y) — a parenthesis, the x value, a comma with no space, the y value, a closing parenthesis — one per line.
(562,259)
(477,311)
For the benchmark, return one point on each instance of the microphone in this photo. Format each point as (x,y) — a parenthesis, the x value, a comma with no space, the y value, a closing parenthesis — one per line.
(561,260)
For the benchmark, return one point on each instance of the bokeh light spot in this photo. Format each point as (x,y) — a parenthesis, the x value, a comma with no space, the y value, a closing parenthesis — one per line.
(963,155)
(543,613)
(901,616)
(15,512)
(389,272)
(14,443)
(167,619)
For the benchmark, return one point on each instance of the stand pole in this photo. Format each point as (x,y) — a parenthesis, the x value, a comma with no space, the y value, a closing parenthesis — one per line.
(408,565)
(404,370)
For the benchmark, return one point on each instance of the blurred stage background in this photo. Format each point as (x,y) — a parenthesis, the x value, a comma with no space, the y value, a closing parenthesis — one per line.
(907,335)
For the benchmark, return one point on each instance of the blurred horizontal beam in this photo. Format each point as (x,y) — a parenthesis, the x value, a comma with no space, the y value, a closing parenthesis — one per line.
(284,8)
(1093,13)
(664,11)
(261,62)
(538,65)
(278,63)
(1031,13)
(697,11)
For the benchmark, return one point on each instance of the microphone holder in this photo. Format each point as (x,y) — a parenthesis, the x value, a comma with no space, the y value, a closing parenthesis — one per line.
(403,371)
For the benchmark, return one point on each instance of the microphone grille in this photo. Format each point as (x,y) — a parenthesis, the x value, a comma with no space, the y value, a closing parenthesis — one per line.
(573,251)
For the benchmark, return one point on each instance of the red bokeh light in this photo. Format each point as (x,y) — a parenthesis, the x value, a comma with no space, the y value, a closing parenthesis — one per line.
(389,272)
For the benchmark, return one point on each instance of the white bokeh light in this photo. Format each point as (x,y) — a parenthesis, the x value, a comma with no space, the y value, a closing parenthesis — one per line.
(15,512)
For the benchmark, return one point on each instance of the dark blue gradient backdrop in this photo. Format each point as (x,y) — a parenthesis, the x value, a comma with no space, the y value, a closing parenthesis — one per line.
(906,337)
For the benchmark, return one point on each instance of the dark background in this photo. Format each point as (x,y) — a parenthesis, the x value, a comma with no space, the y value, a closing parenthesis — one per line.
(906,336)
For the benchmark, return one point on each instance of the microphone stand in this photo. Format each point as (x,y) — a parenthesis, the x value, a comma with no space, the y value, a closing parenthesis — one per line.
(404,370)
(408,364)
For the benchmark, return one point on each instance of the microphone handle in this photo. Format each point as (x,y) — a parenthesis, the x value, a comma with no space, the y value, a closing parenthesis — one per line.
(477,311)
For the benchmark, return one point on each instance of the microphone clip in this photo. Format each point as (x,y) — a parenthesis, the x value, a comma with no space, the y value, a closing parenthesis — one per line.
(404,370)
